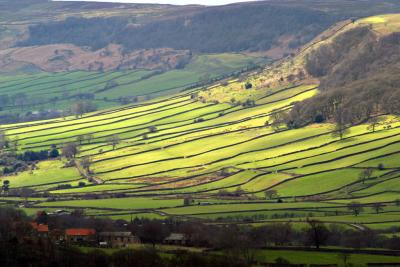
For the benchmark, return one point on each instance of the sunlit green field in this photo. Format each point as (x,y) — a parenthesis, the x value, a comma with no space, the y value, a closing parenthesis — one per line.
(58,91)
(230,149)
(221,154)
(301,257)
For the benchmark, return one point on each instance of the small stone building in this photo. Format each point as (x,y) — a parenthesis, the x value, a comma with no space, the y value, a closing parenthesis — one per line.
(176,239)
(117,239)
(80,236)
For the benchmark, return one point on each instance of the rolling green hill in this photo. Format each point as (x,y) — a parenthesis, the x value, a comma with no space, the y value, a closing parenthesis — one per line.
(54,54)
(37,95)
(223,154)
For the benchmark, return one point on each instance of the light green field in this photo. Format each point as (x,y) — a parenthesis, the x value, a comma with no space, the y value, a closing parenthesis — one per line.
(223,155)
(184,157)
(47,172)
(301,257)
(57,90)
(122,204)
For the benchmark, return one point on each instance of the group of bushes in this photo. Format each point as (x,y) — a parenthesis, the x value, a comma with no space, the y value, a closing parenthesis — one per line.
(13,162)
(30,156)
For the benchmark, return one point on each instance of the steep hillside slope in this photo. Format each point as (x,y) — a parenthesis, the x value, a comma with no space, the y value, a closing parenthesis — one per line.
(67,57)
(358,71)
(214,30)
(40,95)
(275,27)
(356,63)
(238,160)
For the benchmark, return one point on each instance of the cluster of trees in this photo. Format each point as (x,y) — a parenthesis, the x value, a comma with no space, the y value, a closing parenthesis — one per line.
(239,242)
(29,156)
(95,32)
(234,28)
(82,107)
(315,234)
(36,111)
(112,140)
(18,245)
(15,117)
(14,162)
(23,107)
(18,99)
(70,150)
(359,79)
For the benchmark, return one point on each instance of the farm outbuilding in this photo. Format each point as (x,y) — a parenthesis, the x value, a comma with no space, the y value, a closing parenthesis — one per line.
(118,239)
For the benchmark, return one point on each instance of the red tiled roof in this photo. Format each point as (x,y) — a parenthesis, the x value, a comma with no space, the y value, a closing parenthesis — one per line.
(42,228)
(80,232)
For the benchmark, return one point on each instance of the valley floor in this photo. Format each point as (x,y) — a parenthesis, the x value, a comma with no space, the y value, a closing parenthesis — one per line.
(222,156)
(217,161)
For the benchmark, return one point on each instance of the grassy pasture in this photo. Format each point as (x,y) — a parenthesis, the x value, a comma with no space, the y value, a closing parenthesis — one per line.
(289,162)
(312,257)
(48,172)
(208,150)
(244,207)
(57,90)
(318,183)
(118,204)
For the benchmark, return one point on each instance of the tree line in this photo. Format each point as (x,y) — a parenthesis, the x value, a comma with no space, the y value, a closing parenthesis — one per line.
(19,246)
(30,109)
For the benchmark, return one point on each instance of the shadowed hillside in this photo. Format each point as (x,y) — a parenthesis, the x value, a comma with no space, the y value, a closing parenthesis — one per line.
(223,29)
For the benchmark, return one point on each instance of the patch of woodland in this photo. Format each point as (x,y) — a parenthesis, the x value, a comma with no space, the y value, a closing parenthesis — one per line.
(359,78)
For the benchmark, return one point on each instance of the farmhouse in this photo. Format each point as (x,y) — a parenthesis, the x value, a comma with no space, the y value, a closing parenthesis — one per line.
(80,235)
(118,239)
(41,230)
(176,239)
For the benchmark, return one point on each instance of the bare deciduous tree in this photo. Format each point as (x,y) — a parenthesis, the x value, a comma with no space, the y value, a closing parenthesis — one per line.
(355,207)
(89,138)
(86,162)
(70,150)
(270,194)
(317,233)
(366,174)
(278,119)
(113,141)
(340,129)
(3,140)
(373,123)
(80,139)
(378,207)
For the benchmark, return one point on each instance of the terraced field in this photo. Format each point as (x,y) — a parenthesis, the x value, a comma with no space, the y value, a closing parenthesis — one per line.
(230,149)
(59,90)
(222,155)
